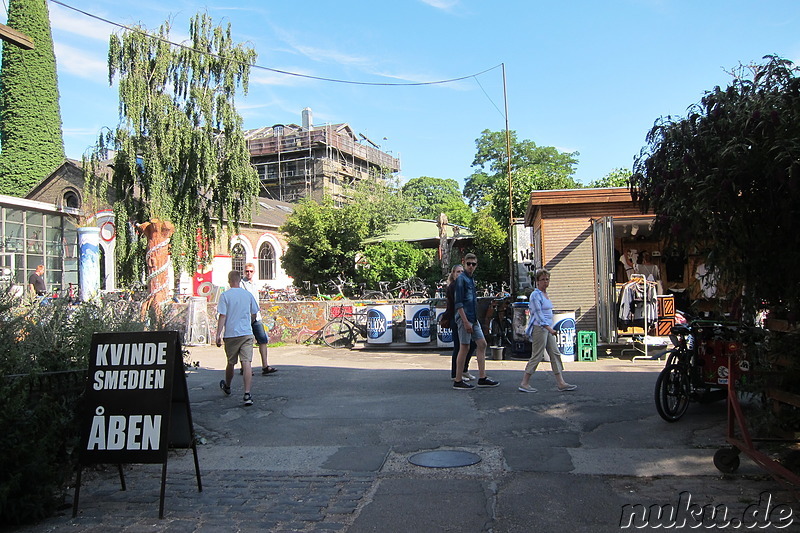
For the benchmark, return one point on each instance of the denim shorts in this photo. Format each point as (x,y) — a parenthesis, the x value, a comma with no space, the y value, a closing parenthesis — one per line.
(463,336)
(260,333)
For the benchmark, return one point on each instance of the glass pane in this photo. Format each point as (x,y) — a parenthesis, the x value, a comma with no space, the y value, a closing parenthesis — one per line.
(34,240)
(19,269)
(13,237)
(35,218)
(70,241)
(14,215)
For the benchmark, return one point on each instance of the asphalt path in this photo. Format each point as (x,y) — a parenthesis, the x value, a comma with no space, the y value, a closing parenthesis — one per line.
(331,440)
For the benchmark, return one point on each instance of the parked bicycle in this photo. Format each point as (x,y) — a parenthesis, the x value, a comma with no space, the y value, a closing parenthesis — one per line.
(409,288)
(500,325)
(345,327)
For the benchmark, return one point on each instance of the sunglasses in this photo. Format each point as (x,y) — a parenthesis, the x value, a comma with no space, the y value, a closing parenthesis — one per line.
(472,264)
(249,270)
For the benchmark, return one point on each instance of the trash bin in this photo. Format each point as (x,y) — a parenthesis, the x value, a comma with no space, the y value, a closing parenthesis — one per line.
(379,324)
(418,323)
(521,348)
(564,324)
(444,336)
(587,346)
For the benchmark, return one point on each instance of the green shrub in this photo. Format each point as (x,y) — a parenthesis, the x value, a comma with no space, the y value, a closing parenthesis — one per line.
(38,425)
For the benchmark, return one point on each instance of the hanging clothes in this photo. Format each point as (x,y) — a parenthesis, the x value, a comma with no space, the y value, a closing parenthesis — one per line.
(637,301)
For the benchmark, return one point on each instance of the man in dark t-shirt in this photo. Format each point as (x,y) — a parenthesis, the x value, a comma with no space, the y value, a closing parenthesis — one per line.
(36,282)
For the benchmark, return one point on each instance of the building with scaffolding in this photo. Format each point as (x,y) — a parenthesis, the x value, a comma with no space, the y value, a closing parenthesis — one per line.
(297,161)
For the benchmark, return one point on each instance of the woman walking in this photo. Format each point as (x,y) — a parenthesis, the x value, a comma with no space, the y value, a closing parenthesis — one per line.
(543,336)
(450,314)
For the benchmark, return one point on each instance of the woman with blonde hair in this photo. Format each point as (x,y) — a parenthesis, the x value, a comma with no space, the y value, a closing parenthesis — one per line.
(543,336)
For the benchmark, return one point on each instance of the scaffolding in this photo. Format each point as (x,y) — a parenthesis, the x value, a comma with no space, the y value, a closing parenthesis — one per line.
(294,162)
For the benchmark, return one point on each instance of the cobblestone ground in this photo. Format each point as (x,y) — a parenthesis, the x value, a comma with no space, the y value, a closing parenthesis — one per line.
(229,501)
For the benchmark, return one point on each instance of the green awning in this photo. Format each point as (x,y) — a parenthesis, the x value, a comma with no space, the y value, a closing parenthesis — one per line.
(423,232)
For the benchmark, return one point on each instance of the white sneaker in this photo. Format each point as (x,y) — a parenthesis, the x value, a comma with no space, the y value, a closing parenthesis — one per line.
(526,388)
(467,376)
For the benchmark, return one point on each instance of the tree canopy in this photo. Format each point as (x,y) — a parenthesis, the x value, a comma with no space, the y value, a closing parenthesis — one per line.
(619,177)
(180,153)
(533,168)
(431,196)
(30,116)
(726,180)
(323,241)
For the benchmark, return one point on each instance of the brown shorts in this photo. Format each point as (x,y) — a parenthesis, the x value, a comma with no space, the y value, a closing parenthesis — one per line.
(239,349)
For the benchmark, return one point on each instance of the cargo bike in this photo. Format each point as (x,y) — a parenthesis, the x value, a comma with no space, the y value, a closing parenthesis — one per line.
(697,368)
(709,363)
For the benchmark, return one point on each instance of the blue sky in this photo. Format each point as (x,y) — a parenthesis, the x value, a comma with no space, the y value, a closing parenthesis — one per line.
(588,76)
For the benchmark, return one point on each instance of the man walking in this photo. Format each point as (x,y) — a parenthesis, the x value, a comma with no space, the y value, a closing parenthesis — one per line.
(237,311)
(469,328)
(36,283)
(258,327)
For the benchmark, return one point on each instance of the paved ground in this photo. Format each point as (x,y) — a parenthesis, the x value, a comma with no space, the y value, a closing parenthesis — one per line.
(326,447)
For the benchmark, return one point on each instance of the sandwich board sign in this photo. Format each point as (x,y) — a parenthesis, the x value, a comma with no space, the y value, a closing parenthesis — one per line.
(136,404)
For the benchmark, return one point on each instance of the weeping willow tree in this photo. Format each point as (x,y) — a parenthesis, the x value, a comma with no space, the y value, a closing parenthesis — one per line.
(180,165)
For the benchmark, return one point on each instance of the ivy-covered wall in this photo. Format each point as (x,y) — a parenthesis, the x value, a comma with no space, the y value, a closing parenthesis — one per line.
(31,142)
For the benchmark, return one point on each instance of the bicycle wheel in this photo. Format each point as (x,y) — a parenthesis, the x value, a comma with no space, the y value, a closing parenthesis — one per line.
(337,334)
(672,393)
(374,295)
(507,331)
(494,337)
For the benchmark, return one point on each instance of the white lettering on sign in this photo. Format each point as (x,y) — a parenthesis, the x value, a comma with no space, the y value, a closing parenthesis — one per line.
(131,432)
(143,353)
(377,323)
(152,378)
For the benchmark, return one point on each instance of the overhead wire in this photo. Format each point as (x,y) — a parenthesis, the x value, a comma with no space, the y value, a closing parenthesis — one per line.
(280,71)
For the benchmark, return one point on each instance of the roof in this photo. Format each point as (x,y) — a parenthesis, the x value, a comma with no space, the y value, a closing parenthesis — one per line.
(293,129)
(272,213)
(421,231)
(600,195)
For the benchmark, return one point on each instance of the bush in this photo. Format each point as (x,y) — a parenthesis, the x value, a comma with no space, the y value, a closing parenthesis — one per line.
(38,425)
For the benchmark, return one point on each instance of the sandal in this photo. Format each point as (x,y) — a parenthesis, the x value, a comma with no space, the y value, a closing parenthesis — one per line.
(268,370)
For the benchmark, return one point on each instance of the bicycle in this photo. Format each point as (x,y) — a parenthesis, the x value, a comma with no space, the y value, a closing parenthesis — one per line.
(342,330)
(689,374)
(500,325)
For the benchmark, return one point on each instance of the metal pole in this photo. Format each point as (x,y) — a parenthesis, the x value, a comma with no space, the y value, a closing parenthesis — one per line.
(512,277)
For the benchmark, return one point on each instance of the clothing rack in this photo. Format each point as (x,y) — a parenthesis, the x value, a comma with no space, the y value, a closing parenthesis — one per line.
(649,314)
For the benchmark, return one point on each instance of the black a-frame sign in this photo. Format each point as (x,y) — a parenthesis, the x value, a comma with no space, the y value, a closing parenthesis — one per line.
(136,404)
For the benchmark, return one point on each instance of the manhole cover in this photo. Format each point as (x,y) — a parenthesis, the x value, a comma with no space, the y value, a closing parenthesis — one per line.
(444,459)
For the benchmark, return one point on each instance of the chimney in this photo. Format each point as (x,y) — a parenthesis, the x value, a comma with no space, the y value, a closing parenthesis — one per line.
(308,119)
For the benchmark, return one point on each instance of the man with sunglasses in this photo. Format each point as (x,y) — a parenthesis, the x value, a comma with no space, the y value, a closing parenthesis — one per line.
(468,326)
(258,327)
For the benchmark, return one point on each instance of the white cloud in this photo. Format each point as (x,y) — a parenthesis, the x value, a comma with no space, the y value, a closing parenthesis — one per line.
(81,63)
(266,77)
(441,4)
(69,21)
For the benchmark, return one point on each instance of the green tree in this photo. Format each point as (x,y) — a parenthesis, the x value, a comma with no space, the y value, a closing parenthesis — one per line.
(532,167)
(30,117)
(491,246)
(619,177)
(181,157)
(323,241)
(393,261)
(726,180)
(432,196)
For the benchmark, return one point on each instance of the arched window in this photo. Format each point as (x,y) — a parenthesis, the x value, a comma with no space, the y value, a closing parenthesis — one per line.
(266,261)
(237,255)
(71,199)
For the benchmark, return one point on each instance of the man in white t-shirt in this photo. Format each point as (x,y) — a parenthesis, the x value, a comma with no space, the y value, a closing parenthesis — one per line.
(237,311)
(258,327)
